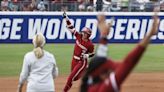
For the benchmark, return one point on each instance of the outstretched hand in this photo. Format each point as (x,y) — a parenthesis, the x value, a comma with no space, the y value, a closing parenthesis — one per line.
(155,25)
(144,42)
(64,15)
(104,29)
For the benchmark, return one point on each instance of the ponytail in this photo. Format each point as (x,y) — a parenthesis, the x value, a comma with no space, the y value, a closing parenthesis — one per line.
(38,42)
(38,52)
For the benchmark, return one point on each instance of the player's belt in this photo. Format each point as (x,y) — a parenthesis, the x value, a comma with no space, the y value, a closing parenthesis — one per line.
(76,57)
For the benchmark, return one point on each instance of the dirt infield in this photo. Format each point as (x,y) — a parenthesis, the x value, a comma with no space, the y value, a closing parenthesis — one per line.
(136,82)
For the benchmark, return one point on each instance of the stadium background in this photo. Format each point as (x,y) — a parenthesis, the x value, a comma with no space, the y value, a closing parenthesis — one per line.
(148,76)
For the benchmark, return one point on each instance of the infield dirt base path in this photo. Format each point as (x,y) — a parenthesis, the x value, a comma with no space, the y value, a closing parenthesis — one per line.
(136,82)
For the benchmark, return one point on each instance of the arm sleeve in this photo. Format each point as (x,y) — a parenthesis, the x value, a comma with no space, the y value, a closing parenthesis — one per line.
(55,71)
(71,28)
(25,71)
(113,83)
(128,64)
(113,64)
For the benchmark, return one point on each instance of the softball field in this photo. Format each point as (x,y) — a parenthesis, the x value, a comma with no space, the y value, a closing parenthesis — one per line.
(148,76)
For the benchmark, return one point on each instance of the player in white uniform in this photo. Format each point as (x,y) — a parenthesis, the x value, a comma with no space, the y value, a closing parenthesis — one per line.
(39,68)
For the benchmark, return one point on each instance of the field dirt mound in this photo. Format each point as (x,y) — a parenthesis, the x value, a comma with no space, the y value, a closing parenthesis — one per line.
(136,82)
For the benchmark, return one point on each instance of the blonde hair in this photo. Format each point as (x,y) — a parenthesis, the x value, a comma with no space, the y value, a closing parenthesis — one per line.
(38,42)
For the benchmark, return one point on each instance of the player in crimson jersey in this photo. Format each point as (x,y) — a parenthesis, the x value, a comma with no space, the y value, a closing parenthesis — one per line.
(83,48)
(101,75)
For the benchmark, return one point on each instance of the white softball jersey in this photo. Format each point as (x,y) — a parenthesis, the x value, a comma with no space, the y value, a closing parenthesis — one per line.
(39,73)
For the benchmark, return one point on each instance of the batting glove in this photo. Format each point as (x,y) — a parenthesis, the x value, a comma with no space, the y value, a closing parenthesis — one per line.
(85,56)
(64,15)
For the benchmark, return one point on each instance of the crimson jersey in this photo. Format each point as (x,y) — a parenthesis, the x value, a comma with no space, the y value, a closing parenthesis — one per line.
(121,71)
(82,46)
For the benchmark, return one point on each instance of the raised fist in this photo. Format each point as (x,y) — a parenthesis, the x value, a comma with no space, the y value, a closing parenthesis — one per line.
(64,15)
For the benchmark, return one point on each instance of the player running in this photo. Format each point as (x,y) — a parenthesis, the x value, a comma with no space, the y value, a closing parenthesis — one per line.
(39,67)
(101,76)
(83,48)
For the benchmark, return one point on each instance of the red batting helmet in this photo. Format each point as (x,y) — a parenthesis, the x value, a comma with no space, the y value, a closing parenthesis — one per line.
(87,31)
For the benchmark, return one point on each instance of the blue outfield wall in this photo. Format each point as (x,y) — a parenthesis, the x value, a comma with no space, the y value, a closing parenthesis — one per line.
(20,27)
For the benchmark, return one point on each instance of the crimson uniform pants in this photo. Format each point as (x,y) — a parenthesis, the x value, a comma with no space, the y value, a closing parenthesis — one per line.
(77,69)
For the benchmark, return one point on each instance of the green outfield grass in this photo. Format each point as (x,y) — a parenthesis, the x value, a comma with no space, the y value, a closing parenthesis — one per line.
(11,56)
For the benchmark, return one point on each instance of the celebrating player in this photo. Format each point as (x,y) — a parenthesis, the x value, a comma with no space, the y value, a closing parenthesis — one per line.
(83,48)
(39,67)
(101,76)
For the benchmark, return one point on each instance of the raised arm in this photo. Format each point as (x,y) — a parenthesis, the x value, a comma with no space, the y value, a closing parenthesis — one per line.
(104,30)
(119,75)
(153,31)
(68,24)
(134,56)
